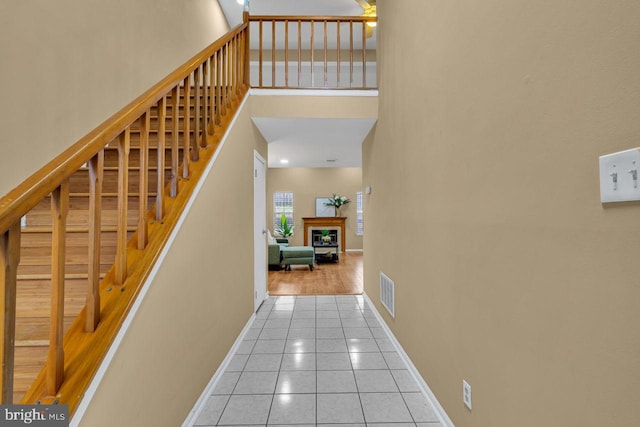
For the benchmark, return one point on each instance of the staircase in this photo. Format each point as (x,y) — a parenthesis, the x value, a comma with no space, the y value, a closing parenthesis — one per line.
(34,271)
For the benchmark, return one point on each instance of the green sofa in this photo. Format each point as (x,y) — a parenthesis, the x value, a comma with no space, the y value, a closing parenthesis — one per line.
(275,253)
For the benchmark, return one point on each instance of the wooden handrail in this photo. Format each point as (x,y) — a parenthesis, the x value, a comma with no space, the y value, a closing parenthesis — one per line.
(26,195)
(305,18)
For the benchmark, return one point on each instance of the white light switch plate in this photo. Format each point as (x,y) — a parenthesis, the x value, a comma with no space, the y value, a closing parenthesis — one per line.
(619,176)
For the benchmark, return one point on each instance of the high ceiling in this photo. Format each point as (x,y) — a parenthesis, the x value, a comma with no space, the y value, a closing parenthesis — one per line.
(233,10)
(311,141)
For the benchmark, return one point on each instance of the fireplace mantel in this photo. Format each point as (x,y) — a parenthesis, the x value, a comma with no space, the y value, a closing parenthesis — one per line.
(327,222)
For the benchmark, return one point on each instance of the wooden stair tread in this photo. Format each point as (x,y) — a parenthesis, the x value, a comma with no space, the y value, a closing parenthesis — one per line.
(104,229)
(47,276)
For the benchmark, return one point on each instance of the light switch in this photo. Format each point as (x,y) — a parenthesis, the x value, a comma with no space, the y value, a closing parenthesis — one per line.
(619,176)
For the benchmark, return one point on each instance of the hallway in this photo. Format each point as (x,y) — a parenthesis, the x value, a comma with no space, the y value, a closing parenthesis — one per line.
(315,360)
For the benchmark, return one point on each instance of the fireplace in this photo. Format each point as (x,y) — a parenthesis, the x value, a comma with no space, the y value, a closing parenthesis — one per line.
(329,223)
(316,235)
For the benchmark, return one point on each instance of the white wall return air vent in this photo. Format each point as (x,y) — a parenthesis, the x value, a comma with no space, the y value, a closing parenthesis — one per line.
(388,294)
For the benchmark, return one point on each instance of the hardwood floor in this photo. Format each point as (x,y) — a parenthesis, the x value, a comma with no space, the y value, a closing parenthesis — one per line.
(341,278)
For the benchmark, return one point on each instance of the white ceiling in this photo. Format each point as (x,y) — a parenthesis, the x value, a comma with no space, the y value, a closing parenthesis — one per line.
(233,10)
(314,142)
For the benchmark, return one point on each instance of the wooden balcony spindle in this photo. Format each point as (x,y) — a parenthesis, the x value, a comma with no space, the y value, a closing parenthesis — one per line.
(162,127)
(143,190)
(286,53)
(312,47)
(124,147)
(175,147)
(96,174)
(299,52)
(273,53)
(196,112)
(350,53)
(338,59)
(9,260)
(186,154)
(55,358)
(260,53)
(325,53)
(364,54)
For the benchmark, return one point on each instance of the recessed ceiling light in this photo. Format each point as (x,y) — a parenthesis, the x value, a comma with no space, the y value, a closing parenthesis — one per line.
(284,161)
(332,160)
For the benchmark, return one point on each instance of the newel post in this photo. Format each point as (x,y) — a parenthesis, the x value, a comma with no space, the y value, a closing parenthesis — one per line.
(9,259)
(247,49)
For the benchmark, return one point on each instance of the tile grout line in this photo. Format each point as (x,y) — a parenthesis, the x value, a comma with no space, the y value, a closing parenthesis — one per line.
(315,348)
(353,372)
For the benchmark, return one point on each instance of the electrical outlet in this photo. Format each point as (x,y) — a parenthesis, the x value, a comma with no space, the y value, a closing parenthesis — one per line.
(466,394)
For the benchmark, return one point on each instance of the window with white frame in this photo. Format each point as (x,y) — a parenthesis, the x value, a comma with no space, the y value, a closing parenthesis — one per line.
(282,204)
(359,214)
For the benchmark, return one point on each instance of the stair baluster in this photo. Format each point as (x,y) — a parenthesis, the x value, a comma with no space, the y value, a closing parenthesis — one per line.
(124,148)
(162,115)
(196,112)
(96,176)
(186,155)
(55,358)
(143,183)
(175,116)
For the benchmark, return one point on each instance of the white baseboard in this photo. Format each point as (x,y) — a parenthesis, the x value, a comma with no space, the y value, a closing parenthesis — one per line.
(426,391)
(200,403)
(354,250)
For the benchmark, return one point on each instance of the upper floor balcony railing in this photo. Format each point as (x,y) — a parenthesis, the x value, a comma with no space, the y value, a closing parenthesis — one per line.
(313,52)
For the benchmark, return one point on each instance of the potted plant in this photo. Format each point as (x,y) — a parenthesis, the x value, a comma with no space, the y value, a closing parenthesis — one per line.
(337,202)
(326,238)
(284,229)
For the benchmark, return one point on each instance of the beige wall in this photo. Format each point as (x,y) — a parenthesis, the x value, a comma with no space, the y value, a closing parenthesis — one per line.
(309,183)
(67,65)
(196,306)
(346,107)
(510,273)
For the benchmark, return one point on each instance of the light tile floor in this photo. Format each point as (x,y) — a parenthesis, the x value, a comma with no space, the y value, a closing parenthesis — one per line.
(316,360)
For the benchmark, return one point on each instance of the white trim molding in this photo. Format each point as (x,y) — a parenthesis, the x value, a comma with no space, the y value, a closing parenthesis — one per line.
(424,387)
(312,92)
